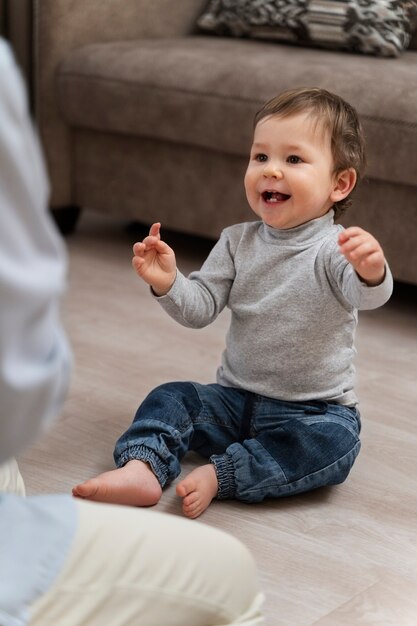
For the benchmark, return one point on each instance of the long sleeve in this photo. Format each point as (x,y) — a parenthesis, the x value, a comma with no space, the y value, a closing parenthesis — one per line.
(35,357)
(354,290)
(196,301)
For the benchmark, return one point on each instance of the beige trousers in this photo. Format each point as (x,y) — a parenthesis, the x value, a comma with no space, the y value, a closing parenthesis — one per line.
(11,480)
(136,567)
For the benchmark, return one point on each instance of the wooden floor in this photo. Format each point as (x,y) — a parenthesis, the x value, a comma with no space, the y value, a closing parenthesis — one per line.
(341,556)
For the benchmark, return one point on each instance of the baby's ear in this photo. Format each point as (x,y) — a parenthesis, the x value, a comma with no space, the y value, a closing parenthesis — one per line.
(344,183)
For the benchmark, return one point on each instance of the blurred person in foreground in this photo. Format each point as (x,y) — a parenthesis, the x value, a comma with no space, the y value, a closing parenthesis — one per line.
(63,560)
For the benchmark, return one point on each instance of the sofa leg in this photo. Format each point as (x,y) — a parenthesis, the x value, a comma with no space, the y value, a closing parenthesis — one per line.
(66,218)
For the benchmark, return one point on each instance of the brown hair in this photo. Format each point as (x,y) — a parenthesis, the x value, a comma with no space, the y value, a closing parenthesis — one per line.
(336,116)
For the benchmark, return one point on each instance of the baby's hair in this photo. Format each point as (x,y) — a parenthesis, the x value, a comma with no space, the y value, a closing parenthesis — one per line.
(336,116)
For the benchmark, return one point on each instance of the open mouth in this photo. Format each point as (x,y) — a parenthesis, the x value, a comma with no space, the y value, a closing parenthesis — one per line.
(274,196)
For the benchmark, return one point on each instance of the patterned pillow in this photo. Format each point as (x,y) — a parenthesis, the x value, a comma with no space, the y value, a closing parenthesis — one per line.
(379,27)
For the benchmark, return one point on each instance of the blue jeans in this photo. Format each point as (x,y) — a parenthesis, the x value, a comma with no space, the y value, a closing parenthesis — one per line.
(260,447)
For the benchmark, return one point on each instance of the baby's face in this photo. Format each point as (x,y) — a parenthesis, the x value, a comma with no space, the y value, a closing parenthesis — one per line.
(289,179)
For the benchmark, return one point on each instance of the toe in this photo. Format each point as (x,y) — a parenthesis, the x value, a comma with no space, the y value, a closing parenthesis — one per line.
(191,499)
(193,510)
(180,490)
(184,488)
(85,490)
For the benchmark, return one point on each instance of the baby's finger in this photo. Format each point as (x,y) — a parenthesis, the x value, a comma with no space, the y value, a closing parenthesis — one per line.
(138,248)
(352,237)
(154,230)
(352,231)
(351,244)
(360,251)
(137,263)
(343,237)
(151,241)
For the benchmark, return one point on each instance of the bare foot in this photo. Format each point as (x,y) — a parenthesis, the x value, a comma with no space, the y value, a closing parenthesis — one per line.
(134,484)
(197,490)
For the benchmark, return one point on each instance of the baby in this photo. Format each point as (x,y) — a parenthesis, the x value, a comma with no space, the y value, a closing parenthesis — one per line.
(282,417)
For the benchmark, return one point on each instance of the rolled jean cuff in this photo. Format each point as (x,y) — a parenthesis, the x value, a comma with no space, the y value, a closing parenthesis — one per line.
(225,471)
(142,453)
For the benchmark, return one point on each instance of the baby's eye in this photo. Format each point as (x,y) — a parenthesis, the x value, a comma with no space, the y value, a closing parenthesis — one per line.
(261,157)
(294,159)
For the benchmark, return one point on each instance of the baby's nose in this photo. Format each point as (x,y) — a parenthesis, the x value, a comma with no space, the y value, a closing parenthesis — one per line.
(272,171)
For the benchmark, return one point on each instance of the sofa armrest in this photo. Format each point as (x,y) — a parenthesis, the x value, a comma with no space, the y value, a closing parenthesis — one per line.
(62,25)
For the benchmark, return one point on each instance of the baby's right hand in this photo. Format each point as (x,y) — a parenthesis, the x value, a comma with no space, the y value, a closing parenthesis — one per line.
(154,261)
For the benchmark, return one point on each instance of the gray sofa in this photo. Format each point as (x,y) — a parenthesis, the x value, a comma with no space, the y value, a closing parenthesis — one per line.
(142,116)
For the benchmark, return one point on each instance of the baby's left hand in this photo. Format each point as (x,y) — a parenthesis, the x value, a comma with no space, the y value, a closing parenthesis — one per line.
(363,251)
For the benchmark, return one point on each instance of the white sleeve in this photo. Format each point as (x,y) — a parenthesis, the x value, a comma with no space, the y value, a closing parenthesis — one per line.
(35,357)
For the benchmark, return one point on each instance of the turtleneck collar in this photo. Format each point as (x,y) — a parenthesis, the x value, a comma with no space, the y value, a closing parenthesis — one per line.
(299,235)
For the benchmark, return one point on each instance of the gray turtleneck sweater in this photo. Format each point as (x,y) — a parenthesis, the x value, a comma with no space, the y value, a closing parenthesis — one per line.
(293,299)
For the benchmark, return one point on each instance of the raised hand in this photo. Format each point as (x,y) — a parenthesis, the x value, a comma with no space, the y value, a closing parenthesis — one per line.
(154,261)
(363,251)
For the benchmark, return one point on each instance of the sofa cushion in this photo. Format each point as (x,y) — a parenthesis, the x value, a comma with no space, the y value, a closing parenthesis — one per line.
(204,91)
(381,27)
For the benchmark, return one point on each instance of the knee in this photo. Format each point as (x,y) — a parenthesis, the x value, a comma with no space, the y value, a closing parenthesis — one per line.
(182,394)
(175,390)
(340,469)
(172,403)
(229,579)
(244,597)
